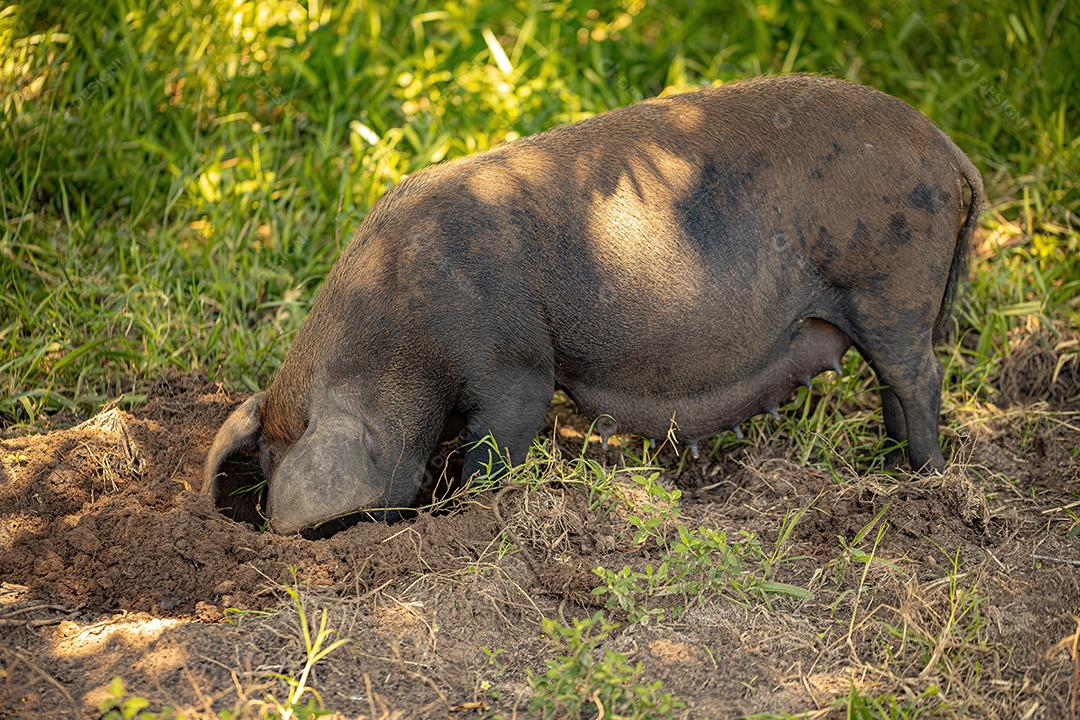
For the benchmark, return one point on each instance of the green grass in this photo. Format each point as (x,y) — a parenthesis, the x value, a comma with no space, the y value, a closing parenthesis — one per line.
(857,705)
(176,178)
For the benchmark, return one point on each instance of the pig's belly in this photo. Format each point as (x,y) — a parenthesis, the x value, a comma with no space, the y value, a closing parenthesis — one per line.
(707,400)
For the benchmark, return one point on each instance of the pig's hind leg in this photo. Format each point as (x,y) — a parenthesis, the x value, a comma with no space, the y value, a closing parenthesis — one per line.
(891,280)
(895,426)
(904,360)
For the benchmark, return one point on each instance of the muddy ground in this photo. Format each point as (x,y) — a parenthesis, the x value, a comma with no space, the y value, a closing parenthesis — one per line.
(111,565)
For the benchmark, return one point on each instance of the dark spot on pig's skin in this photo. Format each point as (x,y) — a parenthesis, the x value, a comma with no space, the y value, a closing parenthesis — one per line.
(731,185)
(928,199)
(827,159)
(525,221)
(860,239)
(861,245)
(899,232)
(466,218)
(826,245)
(720,193)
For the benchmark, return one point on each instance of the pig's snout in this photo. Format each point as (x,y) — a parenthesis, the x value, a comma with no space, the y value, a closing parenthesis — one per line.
(328,473)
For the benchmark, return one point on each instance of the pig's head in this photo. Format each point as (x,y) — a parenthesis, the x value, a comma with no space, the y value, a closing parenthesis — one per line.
(338,465)
(366,389)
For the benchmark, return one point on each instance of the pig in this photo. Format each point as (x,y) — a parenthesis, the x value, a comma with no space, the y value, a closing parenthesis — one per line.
(679,264)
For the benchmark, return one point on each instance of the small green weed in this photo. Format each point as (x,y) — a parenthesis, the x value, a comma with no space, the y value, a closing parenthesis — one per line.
(859,706)
(119,705)
(302,703)
(656,512)
(585,680)
(851,550)
(496,672)
(319,642)
(236,616)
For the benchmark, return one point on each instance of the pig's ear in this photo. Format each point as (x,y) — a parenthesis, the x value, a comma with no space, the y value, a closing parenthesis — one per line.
(327,473)
(239,433)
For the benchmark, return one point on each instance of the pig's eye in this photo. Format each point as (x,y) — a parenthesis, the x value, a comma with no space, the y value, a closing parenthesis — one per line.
(370,442)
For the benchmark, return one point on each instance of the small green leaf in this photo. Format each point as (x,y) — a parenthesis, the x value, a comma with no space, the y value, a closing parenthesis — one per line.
(779,588)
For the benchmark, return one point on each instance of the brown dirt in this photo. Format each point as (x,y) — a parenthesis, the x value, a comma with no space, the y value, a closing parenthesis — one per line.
(111,565)
(1042,363)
